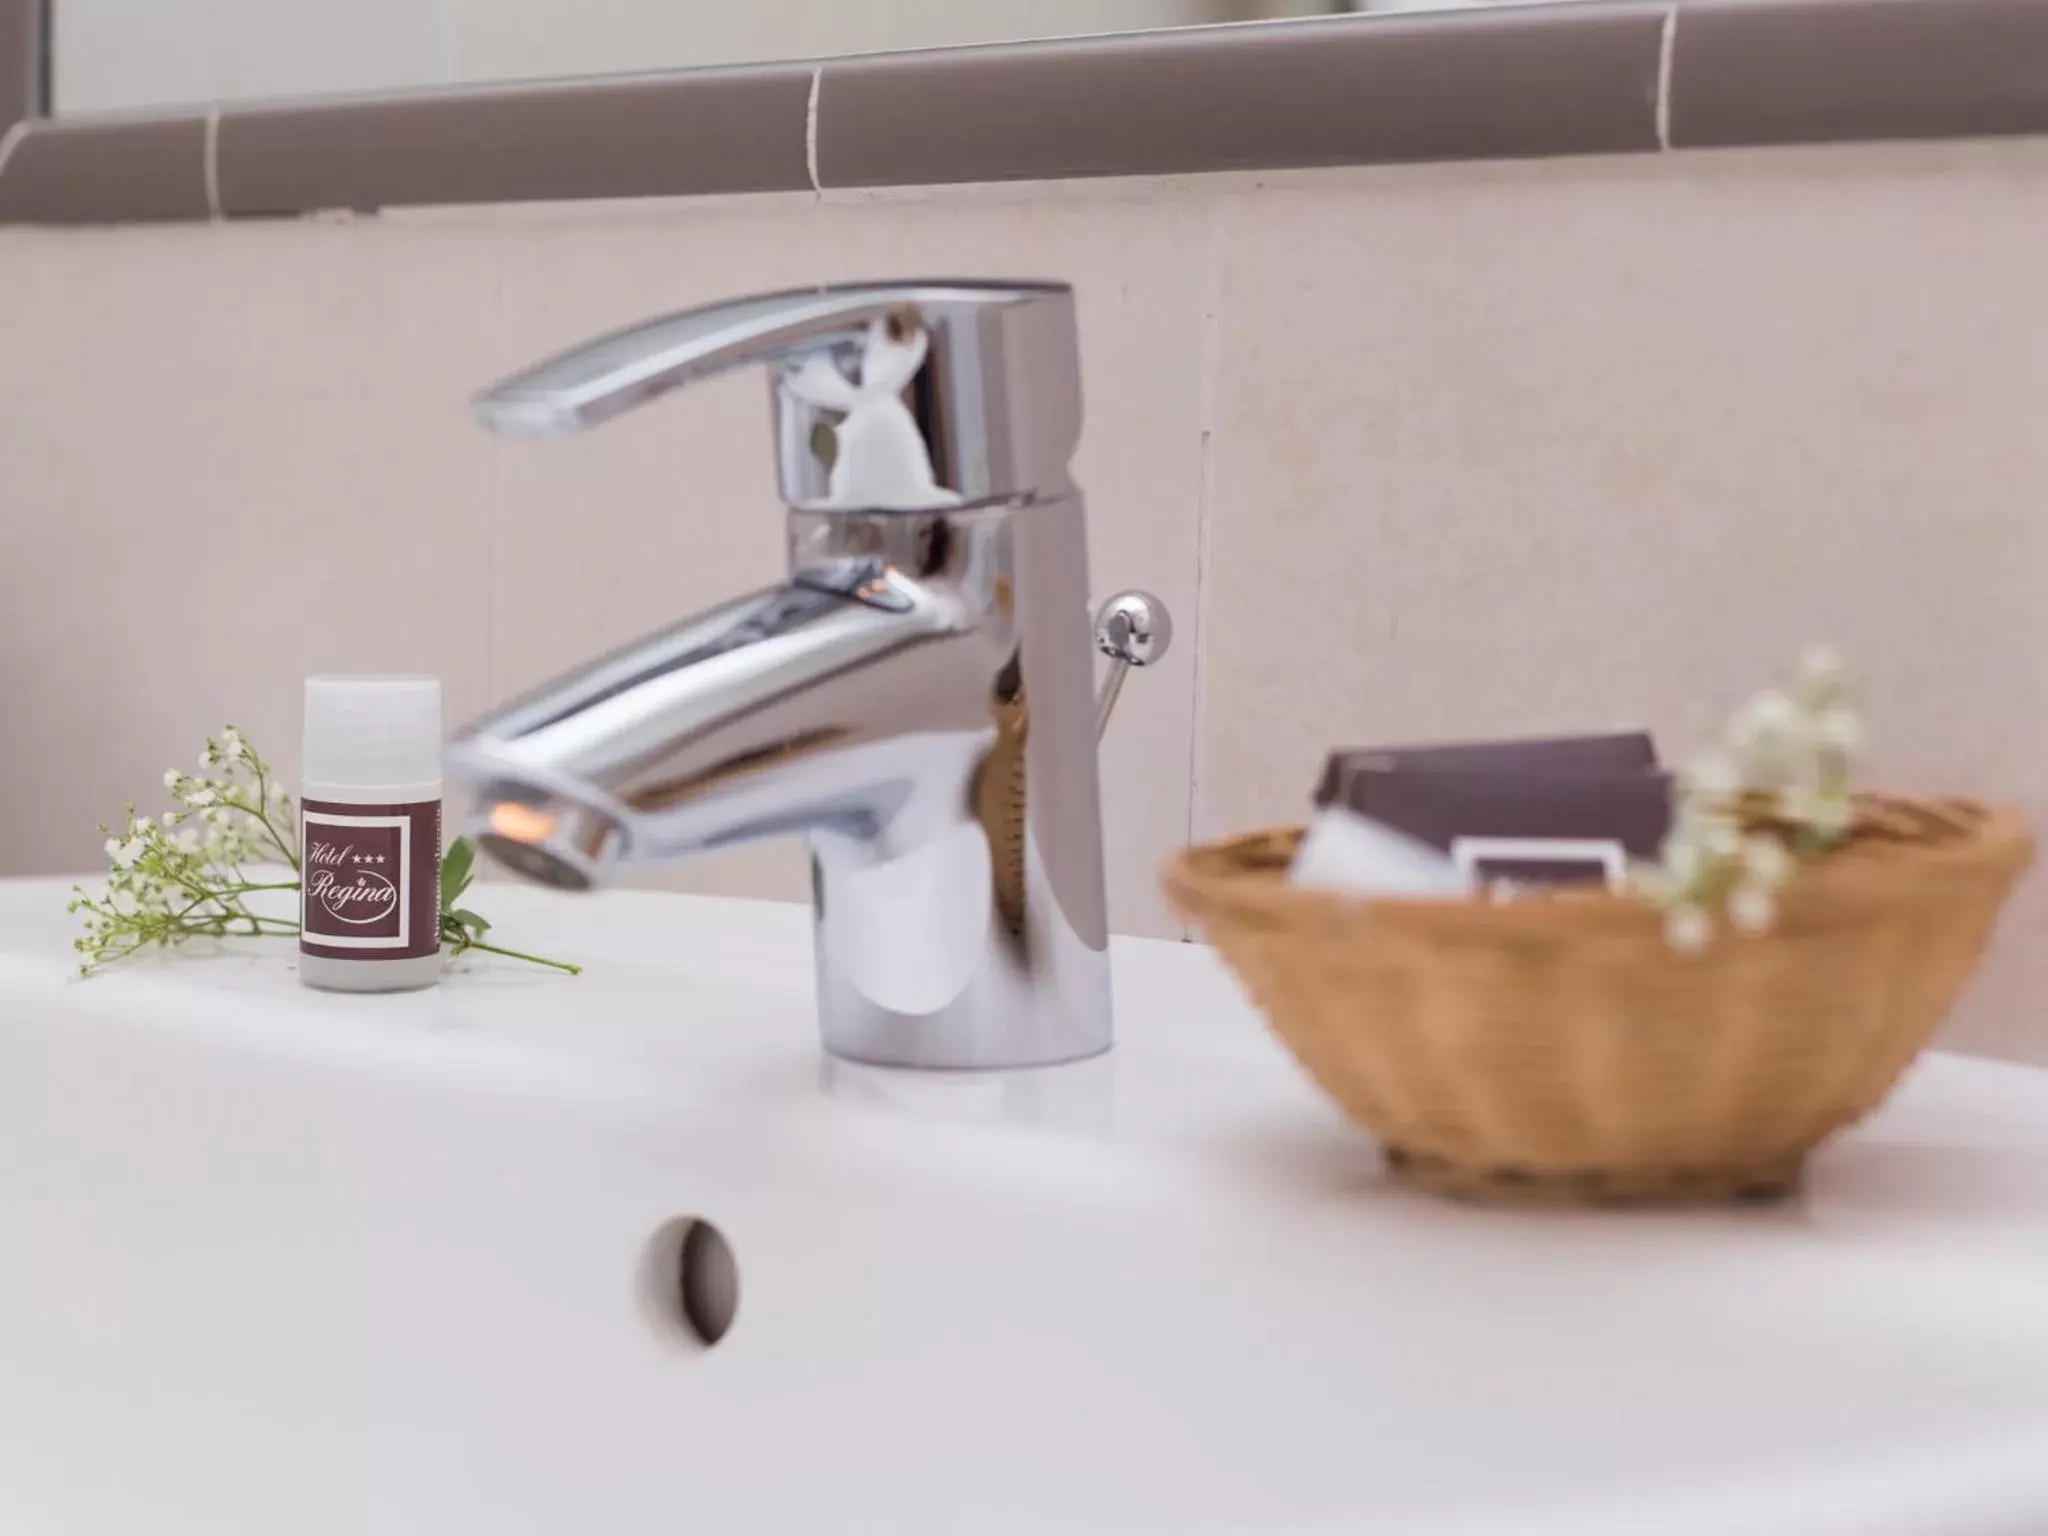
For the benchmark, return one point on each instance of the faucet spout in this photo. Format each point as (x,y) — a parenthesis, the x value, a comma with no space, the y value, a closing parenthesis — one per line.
(722,729)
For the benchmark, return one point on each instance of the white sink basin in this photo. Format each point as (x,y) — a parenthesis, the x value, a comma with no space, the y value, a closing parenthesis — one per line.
(282,1263)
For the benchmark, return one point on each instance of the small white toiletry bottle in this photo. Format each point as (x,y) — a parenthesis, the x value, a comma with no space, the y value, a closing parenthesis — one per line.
(370,834)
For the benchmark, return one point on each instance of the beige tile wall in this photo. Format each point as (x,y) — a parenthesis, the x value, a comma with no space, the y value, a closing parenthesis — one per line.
(1410,452)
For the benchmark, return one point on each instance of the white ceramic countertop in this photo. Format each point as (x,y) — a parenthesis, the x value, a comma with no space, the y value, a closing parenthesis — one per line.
(1257,1329)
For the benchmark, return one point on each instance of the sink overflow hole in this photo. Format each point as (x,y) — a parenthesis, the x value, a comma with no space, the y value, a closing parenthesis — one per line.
(690,1281)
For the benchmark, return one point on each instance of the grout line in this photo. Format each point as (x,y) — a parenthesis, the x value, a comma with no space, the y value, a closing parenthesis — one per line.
(1667,46)
(213,204)
(1197,716)
(11,139)
(1211,357)
(494,507)
(811,129)
(494,511)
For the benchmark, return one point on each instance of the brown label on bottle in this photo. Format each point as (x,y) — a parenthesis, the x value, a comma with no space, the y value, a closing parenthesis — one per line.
(371,886)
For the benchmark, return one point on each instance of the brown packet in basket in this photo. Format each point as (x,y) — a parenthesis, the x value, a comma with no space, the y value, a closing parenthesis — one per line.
(1615,752)
(1535,812)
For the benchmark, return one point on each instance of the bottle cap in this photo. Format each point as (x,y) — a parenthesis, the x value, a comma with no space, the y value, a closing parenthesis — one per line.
(372,732)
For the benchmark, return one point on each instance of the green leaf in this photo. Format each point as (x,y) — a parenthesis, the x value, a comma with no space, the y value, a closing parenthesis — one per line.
(474,922)
(457,869)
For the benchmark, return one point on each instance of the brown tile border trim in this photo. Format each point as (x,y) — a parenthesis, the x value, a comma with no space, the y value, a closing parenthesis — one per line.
(105,172)
(1450,85)
(1590,76)
(1800,71)
(738,130)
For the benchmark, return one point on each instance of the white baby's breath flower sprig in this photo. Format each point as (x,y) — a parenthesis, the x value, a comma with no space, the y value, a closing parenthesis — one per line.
(187,873)
(1779,787)
(190,872)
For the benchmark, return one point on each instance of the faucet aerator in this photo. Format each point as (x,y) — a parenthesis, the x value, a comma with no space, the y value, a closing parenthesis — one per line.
(536,862)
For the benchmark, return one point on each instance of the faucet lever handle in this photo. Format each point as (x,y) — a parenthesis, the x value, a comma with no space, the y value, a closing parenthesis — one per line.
(1133,629)
(987,373)
(609,375)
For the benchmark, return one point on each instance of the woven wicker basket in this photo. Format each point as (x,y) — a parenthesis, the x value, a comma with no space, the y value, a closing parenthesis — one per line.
(1555,1049)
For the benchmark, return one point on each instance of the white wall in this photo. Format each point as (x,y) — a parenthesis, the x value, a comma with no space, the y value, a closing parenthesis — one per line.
(113,54)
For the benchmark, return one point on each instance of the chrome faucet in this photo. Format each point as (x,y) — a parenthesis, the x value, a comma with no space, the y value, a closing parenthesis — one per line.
(916,699)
